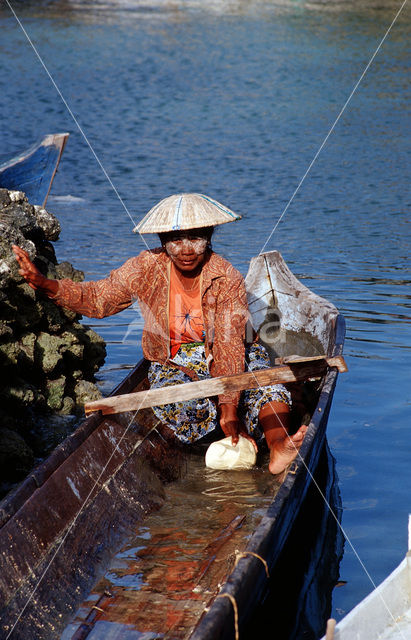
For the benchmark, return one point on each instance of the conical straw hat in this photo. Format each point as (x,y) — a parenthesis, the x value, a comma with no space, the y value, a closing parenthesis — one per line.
(185,211)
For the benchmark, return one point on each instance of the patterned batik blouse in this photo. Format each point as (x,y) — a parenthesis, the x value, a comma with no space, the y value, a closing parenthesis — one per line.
(146,278)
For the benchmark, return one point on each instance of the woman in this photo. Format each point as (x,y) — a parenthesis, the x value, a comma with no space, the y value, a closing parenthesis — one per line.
(195,310)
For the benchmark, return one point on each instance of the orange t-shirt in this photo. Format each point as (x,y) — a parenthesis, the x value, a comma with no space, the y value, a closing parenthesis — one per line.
(186,322)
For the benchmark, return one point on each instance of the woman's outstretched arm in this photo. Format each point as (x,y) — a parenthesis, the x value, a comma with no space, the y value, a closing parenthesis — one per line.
(92,299)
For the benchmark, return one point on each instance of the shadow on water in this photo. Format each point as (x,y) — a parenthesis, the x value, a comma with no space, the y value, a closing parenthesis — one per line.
(298,603)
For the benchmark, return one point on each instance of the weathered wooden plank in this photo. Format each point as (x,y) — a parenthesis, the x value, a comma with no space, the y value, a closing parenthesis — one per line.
(292,372)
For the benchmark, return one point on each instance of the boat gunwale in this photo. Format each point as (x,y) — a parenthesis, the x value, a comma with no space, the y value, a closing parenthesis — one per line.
(249,568)
(17,498)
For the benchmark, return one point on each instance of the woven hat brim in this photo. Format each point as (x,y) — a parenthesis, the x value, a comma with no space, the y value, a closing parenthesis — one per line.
(185,211)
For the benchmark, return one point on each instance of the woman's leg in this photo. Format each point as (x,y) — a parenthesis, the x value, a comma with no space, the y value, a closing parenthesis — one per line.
(189,420)
(274,418)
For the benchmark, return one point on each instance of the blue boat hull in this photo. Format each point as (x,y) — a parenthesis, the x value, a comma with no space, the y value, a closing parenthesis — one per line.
(33,170)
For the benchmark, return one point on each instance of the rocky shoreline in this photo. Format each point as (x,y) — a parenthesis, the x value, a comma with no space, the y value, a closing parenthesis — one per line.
(47,358)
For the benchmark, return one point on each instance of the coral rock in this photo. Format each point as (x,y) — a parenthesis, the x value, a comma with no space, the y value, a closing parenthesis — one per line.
(48,358)
(55,393)
(86,391)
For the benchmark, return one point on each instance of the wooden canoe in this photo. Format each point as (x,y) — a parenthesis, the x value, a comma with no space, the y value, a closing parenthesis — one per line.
(385,614)
(33,170)
(60,529)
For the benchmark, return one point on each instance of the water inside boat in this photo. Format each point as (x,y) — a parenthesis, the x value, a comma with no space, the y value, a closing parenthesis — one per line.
(171,567)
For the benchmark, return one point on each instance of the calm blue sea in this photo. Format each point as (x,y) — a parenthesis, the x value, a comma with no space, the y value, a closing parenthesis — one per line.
(234,99)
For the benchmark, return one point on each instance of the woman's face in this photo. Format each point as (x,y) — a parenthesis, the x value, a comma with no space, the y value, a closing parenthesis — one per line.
(186,249)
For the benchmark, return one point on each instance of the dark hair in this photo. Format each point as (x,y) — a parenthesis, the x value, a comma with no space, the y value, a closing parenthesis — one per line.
(205,232)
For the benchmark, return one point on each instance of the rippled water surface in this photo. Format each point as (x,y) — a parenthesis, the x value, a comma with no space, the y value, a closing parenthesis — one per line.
(234,99)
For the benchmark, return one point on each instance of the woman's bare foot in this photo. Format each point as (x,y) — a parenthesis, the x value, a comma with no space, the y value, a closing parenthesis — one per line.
(284,450)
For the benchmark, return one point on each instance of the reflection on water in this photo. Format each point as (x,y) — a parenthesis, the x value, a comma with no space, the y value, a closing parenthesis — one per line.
(171,568)
(116,11)
(167,573)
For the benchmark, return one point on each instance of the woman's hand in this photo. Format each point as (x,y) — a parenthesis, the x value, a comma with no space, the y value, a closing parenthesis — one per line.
(31,274)
(232,425)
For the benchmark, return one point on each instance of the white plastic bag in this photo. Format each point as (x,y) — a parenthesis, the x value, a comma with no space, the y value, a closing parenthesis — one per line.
(223,455)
